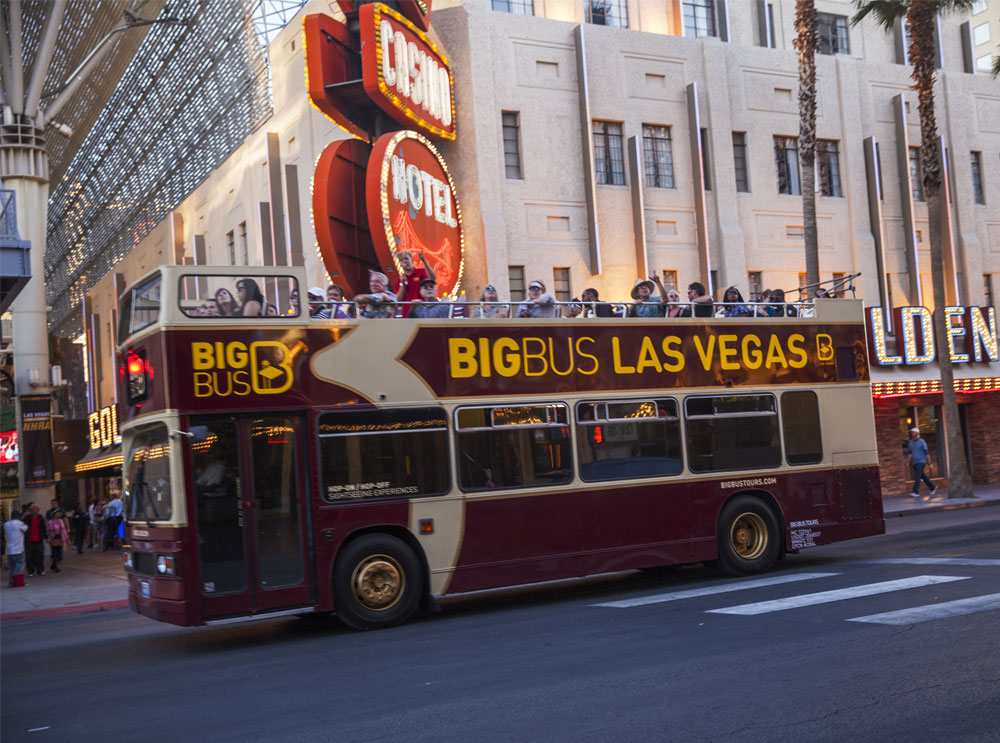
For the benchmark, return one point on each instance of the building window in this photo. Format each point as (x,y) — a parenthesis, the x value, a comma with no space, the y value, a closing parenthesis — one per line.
(560,284)
(658,156)
(831,34)
(755,285)
(608,159)
(786,159)
(977,177)
(231,245)
(740,162)
(516,279)
(699,18)
(705,172)
(988,289)
(916,180)
(512,144)
(828,167)
(979,6)
(984,63)
(517,7)
(244,245)
(606,12)
(981,34)
(670,280)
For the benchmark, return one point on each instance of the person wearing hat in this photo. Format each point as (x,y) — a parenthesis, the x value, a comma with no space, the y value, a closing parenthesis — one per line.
(539,304)
(645,305)
(317,311)
(410,278)
(489,294)
(428,305)
(917,448)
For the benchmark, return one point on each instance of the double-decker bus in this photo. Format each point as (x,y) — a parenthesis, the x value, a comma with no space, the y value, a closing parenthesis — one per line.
(276,464)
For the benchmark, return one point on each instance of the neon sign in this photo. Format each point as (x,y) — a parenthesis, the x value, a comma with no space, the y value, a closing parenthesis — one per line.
(915,340)
(103,426)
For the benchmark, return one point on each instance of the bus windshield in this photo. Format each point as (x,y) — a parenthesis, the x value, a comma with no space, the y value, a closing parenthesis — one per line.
(140,308)
(147,476)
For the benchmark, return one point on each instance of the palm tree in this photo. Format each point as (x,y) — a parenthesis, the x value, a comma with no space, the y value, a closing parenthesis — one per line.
(921,16)
(805,42)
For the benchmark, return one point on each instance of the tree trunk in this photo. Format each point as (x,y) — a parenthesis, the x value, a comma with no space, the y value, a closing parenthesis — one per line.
(921,16)
(805,42)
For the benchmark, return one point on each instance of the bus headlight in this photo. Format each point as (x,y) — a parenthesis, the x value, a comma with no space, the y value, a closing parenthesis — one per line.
(127,557)
(165,565)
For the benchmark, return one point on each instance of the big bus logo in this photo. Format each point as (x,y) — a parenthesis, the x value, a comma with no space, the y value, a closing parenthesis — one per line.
(237,368)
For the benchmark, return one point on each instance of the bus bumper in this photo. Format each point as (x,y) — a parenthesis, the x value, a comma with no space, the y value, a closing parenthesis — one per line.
(162,610)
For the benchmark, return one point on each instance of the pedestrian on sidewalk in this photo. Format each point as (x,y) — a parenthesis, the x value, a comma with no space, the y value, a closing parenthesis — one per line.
(918,460)
(112,520)
(35,546)
(13,532)
(58,536)
(81,524)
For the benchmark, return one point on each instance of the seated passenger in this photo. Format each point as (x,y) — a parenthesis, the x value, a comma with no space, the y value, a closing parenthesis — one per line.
(489,294)
(340,310)
(702,304)
(645,305)
(227,305)
(380,302)
(778,308)
(250,298)
(593,306)
(539,303)
(674,306)
(733,304)
(317,310)
(428,306)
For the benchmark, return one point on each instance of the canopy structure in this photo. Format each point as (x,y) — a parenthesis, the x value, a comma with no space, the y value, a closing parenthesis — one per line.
(141,100)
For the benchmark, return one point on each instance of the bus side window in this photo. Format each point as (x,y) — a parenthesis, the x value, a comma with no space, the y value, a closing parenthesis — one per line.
(732,432)
(383,454)
(800,421)
(513,446)
(628,439)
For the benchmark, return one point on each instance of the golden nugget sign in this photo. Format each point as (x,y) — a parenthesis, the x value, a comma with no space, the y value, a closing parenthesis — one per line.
(550,359)
(103,427)
(237,368)
(971,335)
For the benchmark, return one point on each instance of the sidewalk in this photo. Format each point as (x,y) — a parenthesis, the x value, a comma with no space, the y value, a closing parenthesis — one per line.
(95,581)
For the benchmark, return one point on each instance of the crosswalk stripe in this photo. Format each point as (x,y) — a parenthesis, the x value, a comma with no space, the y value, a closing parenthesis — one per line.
(971,561)
(660,598)
(840,594)
(934,611)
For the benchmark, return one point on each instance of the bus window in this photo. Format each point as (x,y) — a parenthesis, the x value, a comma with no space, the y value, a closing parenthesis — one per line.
(383,453)
(140,308)
(211,295)
(800,420)
(513,446)
(732,432)
(624,440)
(147,476)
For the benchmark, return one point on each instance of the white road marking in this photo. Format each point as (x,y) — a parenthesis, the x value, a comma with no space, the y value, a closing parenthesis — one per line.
(660,598)
(841,594)
(36,730)
(973,561)
(934,611)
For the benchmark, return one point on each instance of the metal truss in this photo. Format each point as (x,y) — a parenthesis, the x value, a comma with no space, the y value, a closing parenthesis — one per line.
(190,96)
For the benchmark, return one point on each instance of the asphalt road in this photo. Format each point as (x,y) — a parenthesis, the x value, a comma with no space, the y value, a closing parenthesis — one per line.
(548,664)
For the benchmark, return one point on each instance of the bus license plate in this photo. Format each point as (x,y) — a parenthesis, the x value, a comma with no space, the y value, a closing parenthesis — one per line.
(144,588)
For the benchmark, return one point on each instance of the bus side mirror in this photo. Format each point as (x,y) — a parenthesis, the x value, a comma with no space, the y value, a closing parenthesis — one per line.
(197,434)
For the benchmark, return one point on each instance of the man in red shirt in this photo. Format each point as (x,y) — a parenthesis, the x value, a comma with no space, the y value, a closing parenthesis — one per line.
(408,285)
(34,543)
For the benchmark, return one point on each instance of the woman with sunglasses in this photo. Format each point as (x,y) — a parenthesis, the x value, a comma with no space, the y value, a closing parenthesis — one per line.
(490,310)
(251,300)
(539,303)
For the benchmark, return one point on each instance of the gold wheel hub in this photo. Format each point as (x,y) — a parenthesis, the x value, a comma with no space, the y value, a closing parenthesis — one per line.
(378,582)
(749,536)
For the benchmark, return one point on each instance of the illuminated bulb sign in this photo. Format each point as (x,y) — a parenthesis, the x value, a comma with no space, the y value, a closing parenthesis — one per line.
(404,73)
(412,205)
(103,427)
(915,341)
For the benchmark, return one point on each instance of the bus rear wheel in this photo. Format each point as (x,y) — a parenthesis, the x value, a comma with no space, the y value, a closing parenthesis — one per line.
(748,537)
(377,582)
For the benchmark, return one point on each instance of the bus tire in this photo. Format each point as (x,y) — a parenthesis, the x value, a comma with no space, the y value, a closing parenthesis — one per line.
(748,537)
(377,582)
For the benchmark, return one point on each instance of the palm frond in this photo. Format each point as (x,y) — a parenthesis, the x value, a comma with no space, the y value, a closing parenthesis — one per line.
(885,13)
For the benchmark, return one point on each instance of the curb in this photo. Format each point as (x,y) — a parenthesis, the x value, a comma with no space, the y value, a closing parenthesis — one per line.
(938,508)
(63,610)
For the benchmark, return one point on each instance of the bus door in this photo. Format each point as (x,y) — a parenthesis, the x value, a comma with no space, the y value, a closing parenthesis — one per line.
(250,514)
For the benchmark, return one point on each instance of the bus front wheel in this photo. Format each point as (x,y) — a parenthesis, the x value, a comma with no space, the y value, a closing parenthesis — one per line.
(377,582)
(748,537)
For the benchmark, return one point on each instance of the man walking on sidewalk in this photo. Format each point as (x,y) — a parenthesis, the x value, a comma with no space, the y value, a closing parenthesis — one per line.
(34,547)
(918,460)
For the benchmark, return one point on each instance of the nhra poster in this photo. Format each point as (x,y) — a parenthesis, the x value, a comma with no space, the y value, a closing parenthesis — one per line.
(36,427)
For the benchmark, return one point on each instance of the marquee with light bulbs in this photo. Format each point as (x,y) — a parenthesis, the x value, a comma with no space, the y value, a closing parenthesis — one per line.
(384,190)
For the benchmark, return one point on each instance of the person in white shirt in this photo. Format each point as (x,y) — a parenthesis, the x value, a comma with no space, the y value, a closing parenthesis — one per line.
(13,532)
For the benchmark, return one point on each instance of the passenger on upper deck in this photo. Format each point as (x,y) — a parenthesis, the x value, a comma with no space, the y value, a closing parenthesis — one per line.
(408,285)
(339,311)
(702,304)
(227,305)
(645,305)
(250,298)
(428,305)
(733,304)
(539,303)
(380,303)
(593,306)
(317,311)
(489,294)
